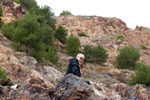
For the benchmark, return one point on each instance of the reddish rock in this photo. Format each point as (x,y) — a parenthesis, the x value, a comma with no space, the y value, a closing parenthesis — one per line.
(37,80)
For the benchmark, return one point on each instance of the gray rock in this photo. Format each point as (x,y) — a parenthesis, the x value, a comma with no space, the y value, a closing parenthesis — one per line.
(72,87)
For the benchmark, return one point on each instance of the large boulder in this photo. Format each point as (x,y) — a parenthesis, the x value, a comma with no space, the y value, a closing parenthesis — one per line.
(72,87)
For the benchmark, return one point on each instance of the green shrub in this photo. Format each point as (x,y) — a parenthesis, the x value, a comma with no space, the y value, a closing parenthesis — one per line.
(34,32)
(18,46)
(82,34)
(52,56)
(99,55)
(95,55)
(28,4)
(127,57)
(1,23)
(88,52)
(65,13)
(8,30)
(2,74)
(29,35)
(142,75)
(144,47)
(1,14)
(1,11)
(47,15)
(73,45)
(120,37)
(61,34)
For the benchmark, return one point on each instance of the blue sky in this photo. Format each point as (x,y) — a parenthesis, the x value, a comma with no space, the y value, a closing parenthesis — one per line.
(132,12)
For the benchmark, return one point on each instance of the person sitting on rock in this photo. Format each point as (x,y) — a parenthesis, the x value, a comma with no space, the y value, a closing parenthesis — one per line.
(74,63)
(74,66)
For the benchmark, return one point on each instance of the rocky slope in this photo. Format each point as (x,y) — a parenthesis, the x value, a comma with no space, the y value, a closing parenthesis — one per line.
(25,70)
(38,80)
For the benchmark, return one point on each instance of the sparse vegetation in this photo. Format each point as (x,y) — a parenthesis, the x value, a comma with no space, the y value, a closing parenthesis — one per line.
(73,45)
(61,34)
(95,55)
(1,14)
(142,75)
(82,34)
(2,74)
(59,65)
(144,47)
(96,76)
(127,57)
(120,37)
(65,13)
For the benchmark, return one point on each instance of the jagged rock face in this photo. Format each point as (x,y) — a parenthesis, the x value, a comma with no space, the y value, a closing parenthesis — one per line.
(11,10)
(143,29)
(74,88)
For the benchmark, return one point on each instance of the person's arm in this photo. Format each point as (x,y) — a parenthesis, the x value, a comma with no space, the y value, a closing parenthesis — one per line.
(76,70)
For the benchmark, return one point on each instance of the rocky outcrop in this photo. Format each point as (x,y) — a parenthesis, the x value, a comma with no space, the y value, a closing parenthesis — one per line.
(74,88)
(143,29)
(11,10)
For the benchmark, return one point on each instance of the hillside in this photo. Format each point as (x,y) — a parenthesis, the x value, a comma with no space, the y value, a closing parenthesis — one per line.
(39,80)
(104,31)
